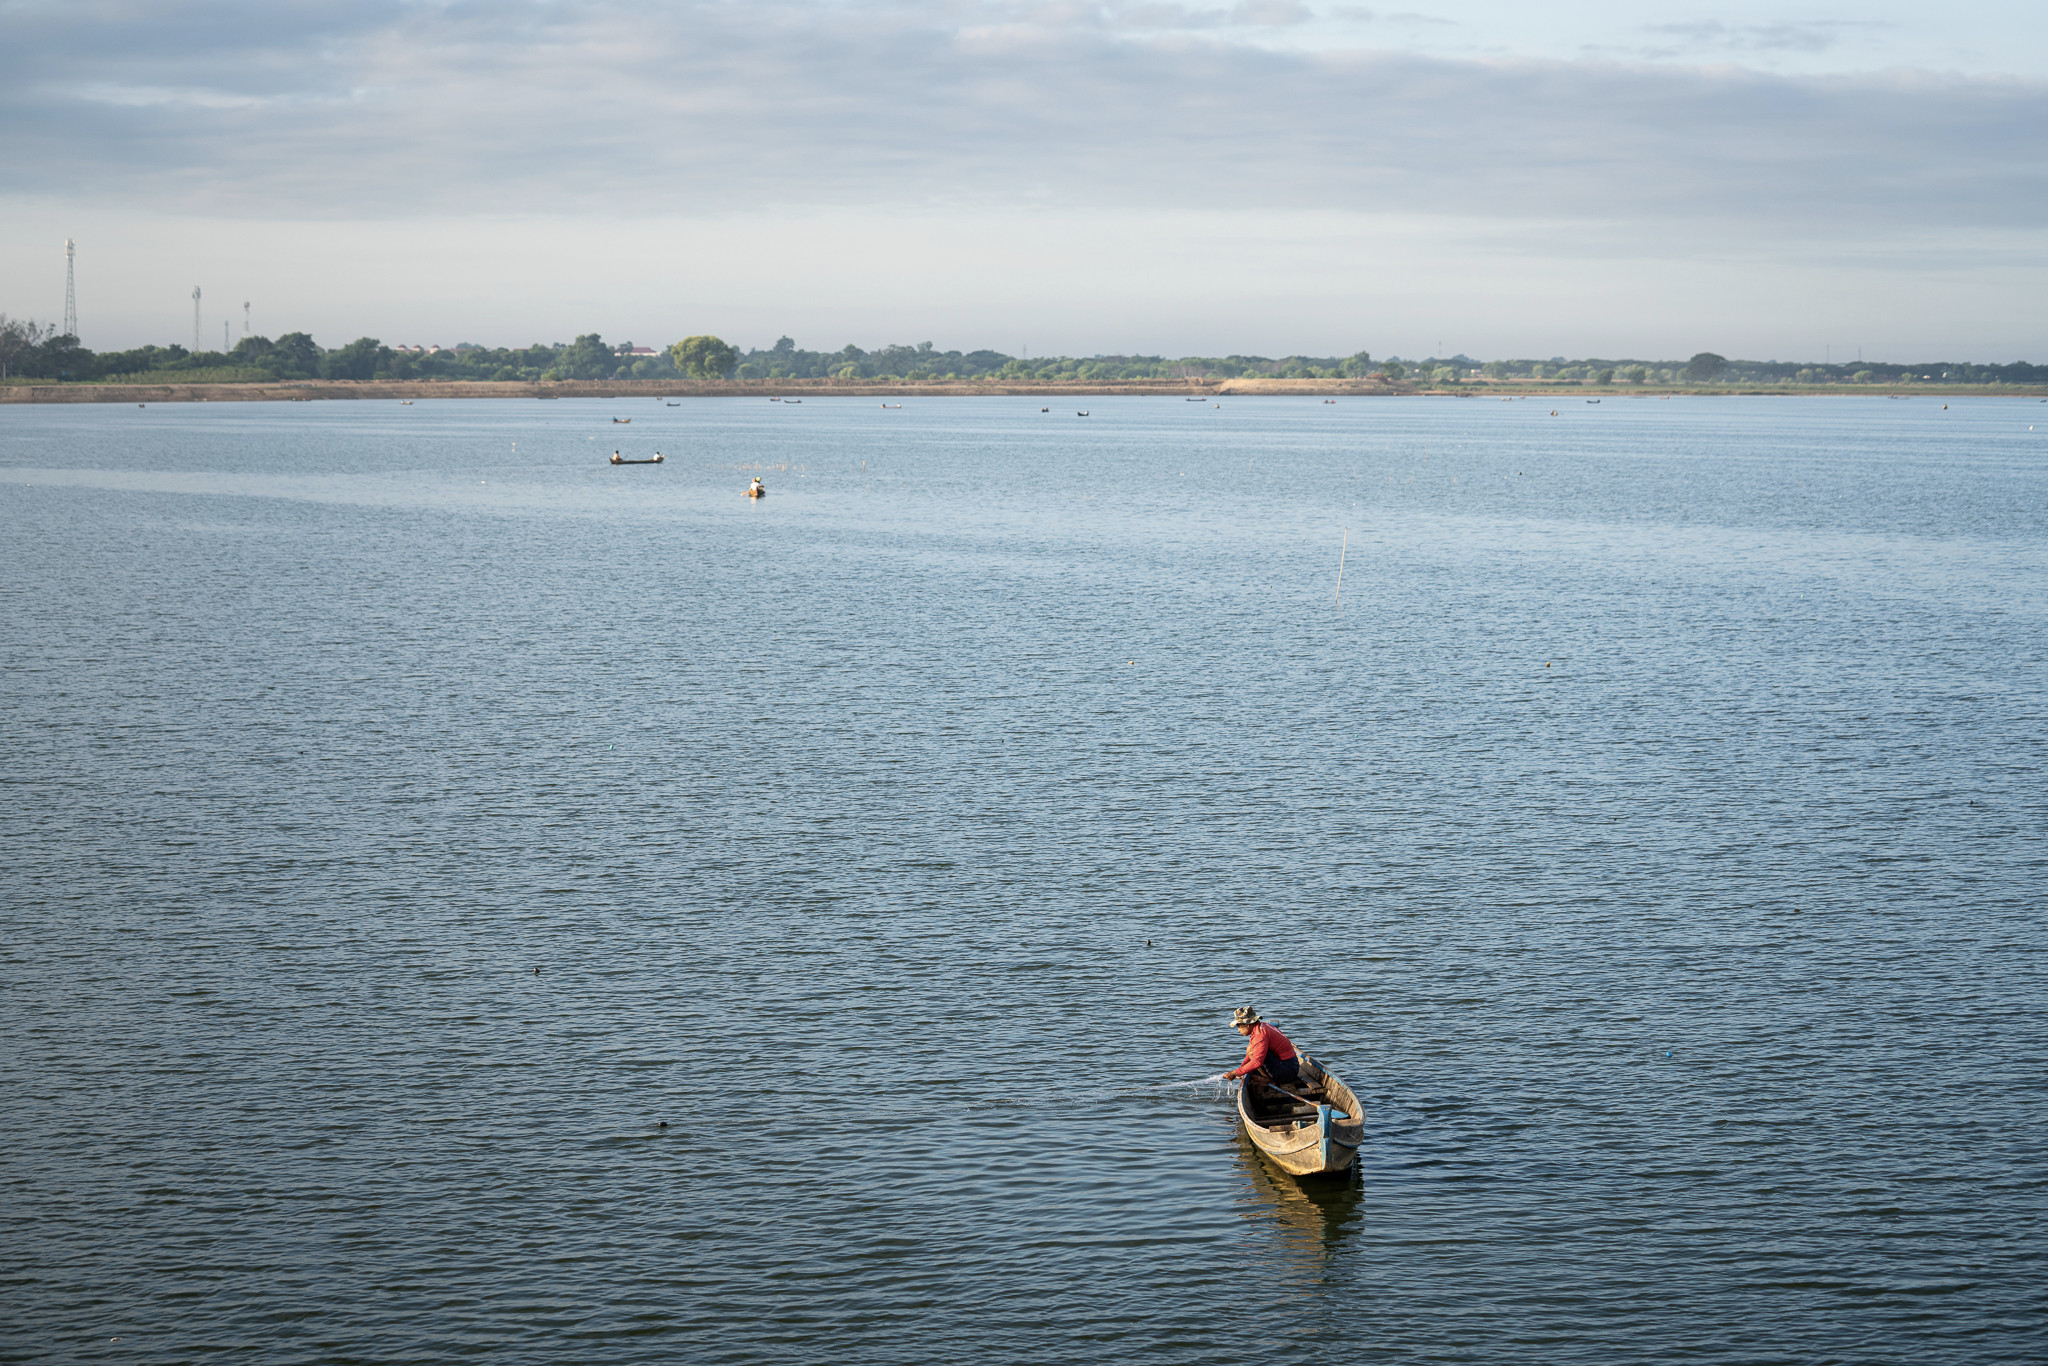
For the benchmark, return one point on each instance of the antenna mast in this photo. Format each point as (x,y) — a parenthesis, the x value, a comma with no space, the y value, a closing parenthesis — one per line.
(245,317)
(196,343)
(70,290)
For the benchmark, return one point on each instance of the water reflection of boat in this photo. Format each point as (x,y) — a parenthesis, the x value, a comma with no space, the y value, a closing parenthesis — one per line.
(1315,1215)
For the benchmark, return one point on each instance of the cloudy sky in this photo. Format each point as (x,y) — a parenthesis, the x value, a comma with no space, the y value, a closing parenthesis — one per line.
(1649,179)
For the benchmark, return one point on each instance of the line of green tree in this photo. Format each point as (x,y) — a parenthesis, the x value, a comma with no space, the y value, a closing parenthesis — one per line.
(38,354)
(924,363)
(32,351)
(1708,368)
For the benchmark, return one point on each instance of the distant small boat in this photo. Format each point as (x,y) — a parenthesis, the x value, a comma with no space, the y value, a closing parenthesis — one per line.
(405,403)
(1592,400)
(672,405)
(621,421)
(892,405)
(775,400)
(757,489)
(1332,400)
(792,400)
(547,398)
(1045,410)
(1313,1129)
(1081,414)
(654,459)
(1198,398)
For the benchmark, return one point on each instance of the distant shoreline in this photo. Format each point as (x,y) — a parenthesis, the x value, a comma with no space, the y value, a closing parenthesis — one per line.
(301,391)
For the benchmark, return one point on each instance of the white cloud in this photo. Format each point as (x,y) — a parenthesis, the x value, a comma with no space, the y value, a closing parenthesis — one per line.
(1813,35)
(732,127)
(695,107)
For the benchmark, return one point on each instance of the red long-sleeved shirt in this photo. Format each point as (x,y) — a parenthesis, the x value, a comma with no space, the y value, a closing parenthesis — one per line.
(1265,1041)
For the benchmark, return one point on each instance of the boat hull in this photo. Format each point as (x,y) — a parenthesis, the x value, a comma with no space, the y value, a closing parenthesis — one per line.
(1306,1140)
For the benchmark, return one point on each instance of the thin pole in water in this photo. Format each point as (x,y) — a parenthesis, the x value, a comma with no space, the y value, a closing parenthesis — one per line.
(1338,600)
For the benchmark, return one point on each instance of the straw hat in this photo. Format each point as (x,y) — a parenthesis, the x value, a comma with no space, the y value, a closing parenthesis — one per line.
(1243,1015)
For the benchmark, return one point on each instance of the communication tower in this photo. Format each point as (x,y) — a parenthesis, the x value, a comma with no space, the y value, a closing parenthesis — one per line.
(245,317)
(196,343)
(70,290)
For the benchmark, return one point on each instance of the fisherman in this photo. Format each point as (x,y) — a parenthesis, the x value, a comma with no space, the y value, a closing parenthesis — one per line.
(1268,1057)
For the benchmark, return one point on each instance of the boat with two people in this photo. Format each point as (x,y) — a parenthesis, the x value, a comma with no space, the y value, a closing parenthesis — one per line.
(654,459)
(757,489)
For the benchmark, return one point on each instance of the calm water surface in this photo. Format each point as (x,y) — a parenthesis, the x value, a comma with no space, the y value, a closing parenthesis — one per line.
(1655,836)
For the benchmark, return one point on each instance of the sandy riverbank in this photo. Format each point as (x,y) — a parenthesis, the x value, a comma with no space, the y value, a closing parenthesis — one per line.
(303,391)
(308,390)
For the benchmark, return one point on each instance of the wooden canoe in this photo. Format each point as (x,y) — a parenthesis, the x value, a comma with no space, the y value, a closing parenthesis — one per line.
(1313,1132)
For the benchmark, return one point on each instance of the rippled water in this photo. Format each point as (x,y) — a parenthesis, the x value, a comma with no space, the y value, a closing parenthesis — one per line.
(1654,837)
